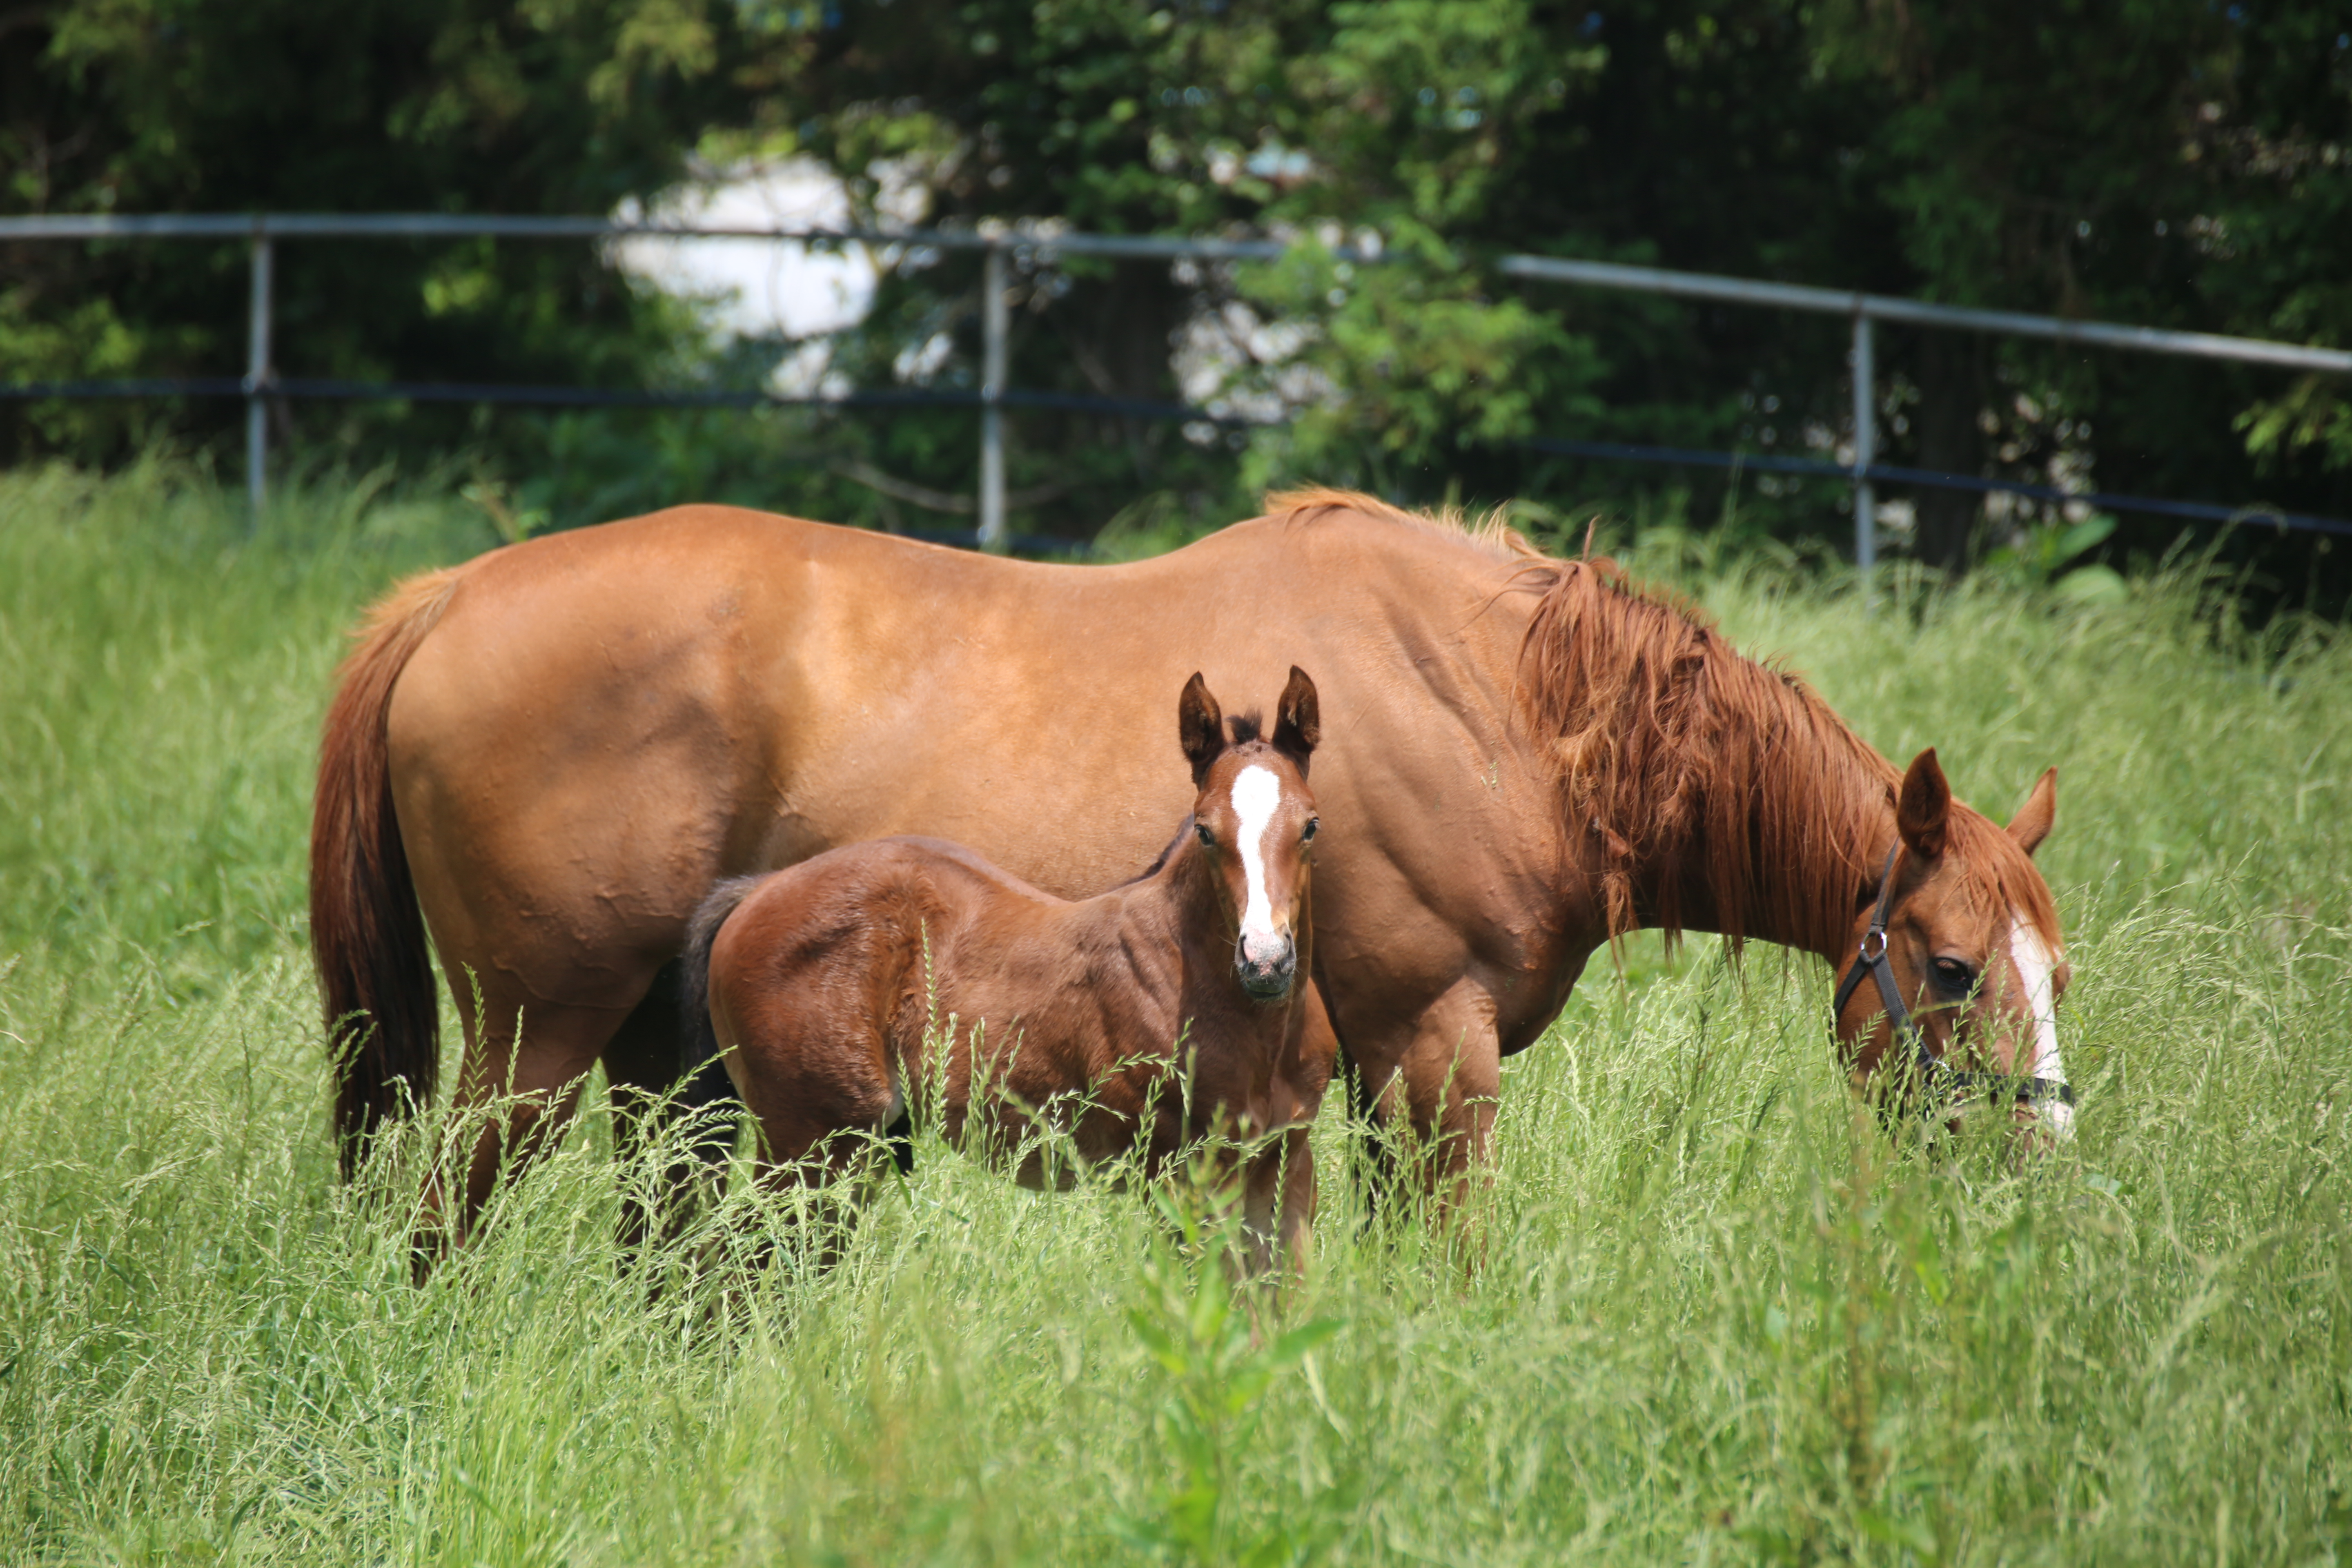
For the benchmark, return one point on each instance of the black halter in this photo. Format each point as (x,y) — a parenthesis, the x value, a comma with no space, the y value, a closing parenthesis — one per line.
(1871,960)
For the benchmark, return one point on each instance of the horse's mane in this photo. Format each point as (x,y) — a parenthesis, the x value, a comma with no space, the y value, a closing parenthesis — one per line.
(1679,756)
(1491,531)
(1707,768)
(1714,770)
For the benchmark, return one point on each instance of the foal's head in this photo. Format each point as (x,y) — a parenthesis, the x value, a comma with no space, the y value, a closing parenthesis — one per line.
(1972,936)
(1255,818)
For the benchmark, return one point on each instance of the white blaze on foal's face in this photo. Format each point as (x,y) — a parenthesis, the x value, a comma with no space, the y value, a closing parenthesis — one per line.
(1257,793)
(2037,967)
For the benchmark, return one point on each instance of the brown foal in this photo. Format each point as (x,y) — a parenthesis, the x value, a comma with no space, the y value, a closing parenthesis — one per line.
(1168,1015)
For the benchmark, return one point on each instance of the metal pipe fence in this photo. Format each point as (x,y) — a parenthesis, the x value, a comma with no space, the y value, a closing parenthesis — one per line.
(1046,243)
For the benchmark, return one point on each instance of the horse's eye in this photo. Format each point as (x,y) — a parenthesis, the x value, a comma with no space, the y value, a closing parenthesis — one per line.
(1306,834)
(1953,976)
(1207,839)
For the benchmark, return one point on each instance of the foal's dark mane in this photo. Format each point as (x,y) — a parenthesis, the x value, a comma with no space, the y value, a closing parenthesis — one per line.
(1159,861)
(1245,728)
(1697,767)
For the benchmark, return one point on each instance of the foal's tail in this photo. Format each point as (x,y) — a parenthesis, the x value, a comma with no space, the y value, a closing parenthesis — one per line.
(375,971)
(694,966)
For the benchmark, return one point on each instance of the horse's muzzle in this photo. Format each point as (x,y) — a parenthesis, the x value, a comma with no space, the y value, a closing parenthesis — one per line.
(1266,968)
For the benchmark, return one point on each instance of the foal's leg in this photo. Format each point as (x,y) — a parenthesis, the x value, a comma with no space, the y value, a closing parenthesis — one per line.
(644,1063)
(826,1106)
(1278,1204)
(841,1174)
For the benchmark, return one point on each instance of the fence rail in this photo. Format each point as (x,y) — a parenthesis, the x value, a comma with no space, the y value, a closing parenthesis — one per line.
(260,382)
(302,388)
(1925,313)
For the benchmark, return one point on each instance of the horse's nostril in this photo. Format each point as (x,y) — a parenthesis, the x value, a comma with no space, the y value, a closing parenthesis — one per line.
(1266,975)
(1267,951)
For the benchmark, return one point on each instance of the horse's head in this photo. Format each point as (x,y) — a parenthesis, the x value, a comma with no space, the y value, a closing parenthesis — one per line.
(1970,937)
(1255,818)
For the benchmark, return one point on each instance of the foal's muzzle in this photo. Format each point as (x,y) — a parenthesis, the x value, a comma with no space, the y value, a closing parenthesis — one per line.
(1266,967)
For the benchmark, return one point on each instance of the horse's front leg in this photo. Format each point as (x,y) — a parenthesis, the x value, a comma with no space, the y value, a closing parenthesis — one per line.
(1439,1083)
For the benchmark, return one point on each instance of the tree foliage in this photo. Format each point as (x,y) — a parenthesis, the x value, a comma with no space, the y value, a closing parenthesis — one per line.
(2132,160)
(136,106)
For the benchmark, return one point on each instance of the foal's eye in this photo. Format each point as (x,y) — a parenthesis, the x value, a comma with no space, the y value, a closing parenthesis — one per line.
(1207,839)
(1954,976)
(1306,834)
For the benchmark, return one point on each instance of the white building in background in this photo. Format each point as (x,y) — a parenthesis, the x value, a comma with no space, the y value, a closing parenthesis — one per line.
(1226,357)
(765,288)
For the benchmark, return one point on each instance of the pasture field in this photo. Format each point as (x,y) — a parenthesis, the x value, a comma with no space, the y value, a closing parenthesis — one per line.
(1717,1314)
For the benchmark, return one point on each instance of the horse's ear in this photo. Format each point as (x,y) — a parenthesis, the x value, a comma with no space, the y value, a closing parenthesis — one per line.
(1297,720)
(2032,823)
(1923,812)
(1200,725)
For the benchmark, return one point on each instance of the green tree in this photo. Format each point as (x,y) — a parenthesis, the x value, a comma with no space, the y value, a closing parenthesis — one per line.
(2127,159)
(2114,158)
(545,105)
(1399,121)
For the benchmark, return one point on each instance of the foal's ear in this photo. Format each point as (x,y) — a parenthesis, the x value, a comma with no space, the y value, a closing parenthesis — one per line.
(1200,725)
(1297,720)
(1923,812)
(2032,823)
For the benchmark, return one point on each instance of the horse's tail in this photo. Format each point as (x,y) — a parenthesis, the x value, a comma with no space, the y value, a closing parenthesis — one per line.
(694,965)
(375,971)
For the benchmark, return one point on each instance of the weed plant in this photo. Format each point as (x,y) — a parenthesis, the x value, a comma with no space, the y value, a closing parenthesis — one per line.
(1713,1311)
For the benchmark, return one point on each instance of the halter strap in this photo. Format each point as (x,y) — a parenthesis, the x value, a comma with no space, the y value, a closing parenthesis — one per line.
(1870,959)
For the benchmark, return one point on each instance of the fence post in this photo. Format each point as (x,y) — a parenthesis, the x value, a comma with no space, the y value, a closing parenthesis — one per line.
(993,327)
(1866,451)
(258,374)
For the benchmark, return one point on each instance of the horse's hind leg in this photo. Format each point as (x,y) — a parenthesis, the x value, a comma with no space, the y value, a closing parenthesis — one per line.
(829,1186)
(900,1137)
(645,1062)
(523,1068)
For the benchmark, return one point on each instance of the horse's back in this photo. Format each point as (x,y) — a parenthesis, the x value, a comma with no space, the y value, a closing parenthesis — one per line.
(607,723)
(591,736)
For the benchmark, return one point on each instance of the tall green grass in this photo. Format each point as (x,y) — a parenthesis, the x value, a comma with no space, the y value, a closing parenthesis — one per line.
(1718,1315)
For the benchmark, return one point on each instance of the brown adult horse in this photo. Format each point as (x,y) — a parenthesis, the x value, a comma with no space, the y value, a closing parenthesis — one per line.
(839,988)
(557,749)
